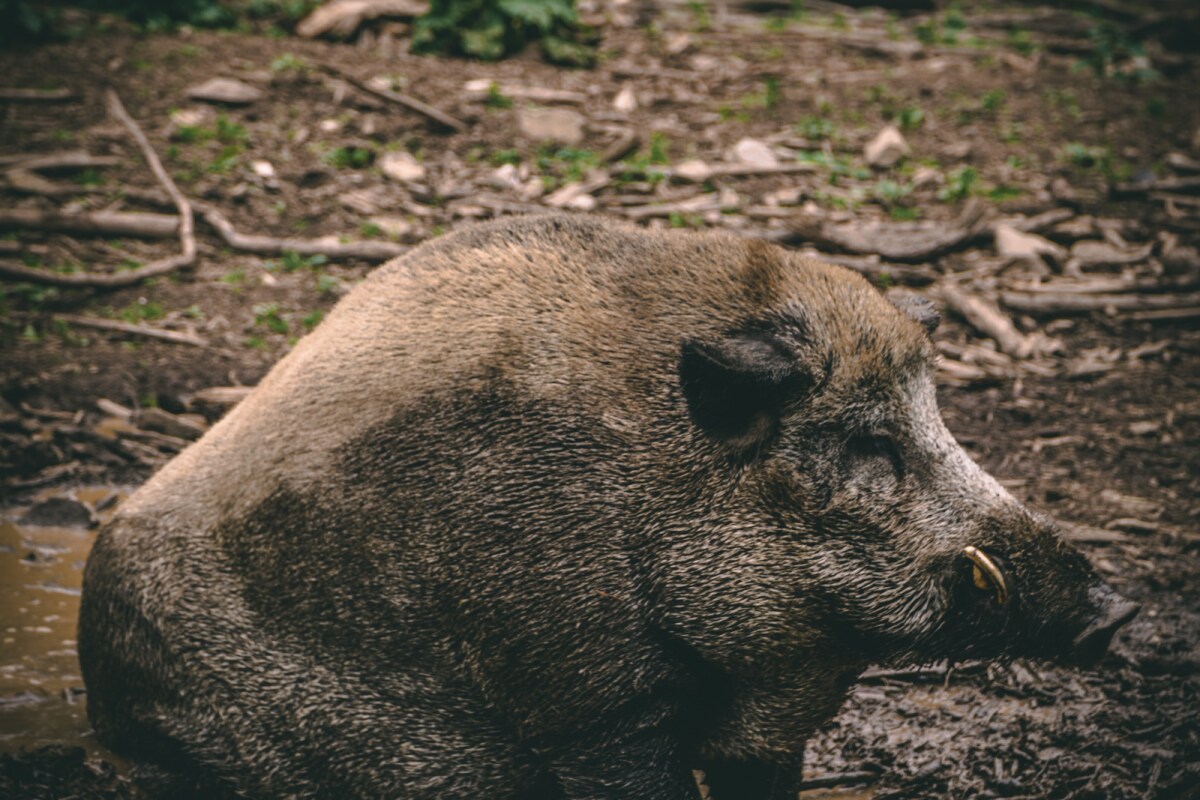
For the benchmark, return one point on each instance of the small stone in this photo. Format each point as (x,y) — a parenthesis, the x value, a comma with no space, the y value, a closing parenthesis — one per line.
(393,227)
(191,117)
(693,170)
(505,176)
(925,177)
(791,196)
(329,126)
(225,90)
(755,153)
(402,166)
(626,100)
(1020,246)
(677,43)
(886,149)
(263,169)
(1145,427)
(574,196)
(559,125)
(959,151)
(59,512)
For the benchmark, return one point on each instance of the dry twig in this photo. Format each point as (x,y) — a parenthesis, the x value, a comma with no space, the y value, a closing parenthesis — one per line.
(989,320)
(411,103)
(97,323)
(12,95)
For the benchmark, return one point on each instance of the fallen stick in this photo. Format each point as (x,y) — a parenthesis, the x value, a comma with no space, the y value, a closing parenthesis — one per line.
(1079,303)
(161,226)
(97,323)
(699,171)
(106,223)
(897,241)
(1165,315)
(697,204)
(989,320)
(1156,185)
(69,159)
(880,271)
(411,103)
(187,225)
(270,245)
(35,95)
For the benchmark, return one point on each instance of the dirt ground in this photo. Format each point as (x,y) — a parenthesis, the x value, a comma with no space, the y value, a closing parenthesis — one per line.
(1043,120)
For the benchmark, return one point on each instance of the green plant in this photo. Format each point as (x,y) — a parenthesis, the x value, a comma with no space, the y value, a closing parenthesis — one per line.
(495,99)
(289,63)
(892,193)
(492,29)
(266,315)
(816,128)
(141,311)
(568,163)
(1115,54)
(350,157)
(960,184)
(701,21)
(910,118)
(770,92)
(291,261)
(507,156)
(942,30)
(327,284)
(1021,41)
(992,100)
(312,319)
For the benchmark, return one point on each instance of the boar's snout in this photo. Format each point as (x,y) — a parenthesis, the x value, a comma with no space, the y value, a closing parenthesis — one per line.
(1114,611)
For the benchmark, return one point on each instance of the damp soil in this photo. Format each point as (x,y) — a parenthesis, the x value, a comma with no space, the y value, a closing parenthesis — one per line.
(1113,452)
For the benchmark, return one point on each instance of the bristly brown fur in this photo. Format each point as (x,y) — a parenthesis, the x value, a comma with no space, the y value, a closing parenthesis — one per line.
(556,508)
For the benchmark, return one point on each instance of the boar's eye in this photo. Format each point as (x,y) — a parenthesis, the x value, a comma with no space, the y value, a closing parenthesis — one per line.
(878,449)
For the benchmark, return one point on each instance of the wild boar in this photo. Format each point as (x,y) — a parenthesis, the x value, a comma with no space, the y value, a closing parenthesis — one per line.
(562,508)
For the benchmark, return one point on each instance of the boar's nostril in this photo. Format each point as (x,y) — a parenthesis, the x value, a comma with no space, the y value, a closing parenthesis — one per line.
(1092,644)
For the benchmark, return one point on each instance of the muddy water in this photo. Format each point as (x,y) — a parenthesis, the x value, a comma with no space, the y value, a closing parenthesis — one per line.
(41,691)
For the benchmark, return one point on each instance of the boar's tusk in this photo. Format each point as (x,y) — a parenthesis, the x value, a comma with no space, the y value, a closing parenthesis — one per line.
(987,575)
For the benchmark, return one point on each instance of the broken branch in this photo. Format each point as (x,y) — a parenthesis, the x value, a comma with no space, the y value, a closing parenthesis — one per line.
(1081,303)
(270,245)
(96,323)
(105,223)
(411,103)
(187,225)
(989,320)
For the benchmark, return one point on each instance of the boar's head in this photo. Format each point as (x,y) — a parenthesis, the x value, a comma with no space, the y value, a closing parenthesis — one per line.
(862,531)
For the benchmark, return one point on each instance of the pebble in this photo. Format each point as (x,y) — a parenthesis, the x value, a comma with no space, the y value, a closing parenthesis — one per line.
(886,149)
(402,166)
(559,125)
(755,153)
(225,90)
(626,100)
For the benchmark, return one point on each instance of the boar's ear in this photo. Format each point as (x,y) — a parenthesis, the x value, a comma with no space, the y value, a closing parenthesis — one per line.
(918,308)
(735,388)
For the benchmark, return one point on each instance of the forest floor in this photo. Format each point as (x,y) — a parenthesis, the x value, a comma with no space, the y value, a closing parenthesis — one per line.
(1049,173)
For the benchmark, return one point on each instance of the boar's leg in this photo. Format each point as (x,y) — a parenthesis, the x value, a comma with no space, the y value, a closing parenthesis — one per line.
(642,767)
(749,780)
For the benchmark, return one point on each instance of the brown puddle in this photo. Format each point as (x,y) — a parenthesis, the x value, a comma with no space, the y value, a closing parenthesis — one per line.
(41,691)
